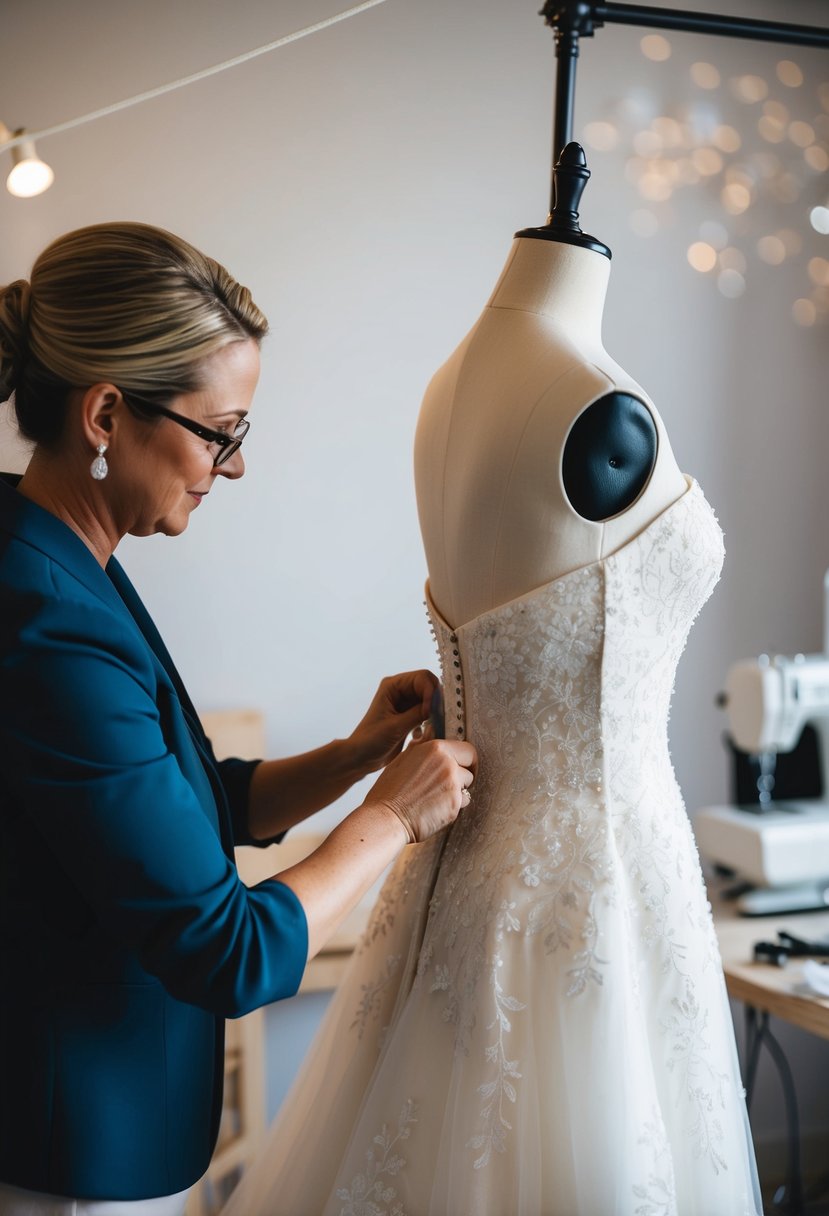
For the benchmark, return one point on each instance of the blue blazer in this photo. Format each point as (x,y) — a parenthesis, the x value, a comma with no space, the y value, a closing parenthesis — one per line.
(126,936)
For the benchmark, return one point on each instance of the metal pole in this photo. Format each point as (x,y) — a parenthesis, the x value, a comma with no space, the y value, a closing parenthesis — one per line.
(570,20)
(710,23)
(567,53)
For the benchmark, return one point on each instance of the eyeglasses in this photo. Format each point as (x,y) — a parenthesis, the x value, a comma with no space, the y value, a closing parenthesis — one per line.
(220,444)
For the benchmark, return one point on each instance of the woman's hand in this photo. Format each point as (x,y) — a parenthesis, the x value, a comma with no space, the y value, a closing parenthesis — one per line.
(417,794)
(427,786)
(400,704)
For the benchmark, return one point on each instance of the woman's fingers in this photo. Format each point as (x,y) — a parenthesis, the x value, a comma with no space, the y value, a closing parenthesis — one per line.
(410,688)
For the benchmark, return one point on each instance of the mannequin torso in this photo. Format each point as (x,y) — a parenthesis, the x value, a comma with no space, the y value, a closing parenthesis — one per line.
(529,407)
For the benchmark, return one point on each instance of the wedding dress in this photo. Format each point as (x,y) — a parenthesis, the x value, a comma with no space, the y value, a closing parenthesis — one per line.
(535,1022)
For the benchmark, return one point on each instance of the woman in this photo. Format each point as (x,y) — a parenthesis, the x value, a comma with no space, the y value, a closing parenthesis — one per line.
(126,934)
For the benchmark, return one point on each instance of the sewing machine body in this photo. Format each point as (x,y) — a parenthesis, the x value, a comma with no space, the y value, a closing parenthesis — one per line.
(784,844)
(780,847)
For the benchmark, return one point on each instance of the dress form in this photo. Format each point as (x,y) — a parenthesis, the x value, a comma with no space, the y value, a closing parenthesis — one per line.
(535,1020)
(497,445)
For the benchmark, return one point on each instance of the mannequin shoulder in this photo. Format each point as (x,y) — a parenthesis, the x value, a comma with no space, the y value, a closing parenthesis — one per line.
(609,455)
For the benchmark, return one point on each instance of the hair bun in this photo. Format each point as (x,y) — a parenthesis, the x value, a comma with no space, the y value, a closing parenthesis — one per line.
(14,329)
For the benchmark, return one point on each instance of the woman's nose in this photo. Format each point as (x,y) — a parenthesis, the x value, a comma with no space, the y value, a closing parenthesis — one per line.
(232,468)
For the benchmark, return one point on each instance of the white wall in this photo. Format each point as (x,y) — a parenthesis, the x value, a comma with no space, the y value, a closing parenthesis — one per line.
(365,184)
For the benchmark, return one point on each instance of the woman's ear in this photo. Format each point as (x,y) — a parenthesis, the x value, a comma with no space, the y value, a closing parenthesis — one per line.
(99,413)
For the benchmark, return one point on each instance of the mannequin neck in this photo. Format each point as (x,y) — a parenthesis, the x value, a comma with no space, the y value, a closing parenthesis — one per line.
(563,282)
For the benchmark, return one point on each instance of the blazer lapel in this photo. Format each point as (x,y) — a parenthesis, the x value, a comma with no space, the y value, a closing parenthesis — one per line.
(132,601)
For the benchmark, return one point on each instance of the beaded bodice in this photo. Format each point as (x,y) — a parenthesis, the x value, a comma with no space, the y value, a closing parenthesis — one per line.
(571,683)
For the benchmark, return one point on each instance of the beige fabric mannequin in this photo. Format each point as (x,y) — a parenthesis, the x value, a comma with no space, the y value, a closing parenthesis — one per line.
(495,519)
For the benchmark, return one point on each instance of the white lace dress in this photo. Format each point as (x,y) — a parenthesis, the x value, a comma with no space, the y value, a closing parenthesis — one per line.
(535,1023)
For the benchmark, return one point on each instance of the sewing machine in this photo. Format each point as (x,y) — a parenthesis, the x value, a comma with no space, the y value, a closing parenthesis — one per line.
(778,845)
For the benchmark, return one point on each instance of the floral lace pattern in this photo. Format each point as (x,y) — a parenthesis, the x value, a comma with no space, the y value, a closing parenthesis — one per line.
(371,1193)
(571,887)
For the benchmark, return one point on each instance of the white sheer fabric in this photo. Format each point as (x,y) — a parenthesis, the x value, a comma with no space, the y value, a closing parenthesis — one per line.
(535,1023)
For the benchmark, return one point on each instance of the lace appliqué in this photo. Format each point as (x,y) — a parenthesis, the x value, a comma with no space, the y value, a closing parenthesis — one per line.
(372,999)
(656,1196)
(501,1089)
(394,893)
(371,1193)
(393,919)
(705,1085)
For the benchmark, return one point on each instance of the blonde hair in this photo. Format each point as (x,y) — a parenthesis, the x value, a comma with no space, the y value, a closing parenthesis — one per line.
(123,303)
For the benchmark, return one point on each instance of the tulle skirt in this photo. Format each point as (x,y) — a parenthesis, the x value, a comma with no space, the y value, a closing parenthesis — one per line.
(482,1079)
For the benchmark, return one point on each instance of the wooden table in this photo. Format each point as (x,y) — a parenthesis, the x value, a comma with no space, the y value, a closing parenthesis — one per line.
(770,989)
(767,990)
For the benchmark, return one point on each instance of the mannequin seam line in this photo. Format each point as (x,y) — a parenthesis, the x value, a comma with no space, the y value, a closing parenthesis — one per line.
(513,254)
(445,477)
(534,312)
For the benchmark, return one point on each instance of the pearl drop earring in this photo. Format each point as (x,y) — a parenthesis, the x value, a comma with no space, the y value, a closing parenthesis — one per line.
(99,467)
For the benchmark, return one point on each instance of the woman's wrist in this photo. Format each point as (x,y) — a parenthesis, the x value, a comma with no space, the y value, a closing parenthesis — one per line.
(347,760)
(353,758)
(285,792)
(378,816)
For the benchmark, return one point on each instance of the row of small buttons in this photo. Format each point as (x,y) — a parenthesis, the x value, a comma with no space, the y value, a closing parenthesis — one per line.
(456,663)
(453,638)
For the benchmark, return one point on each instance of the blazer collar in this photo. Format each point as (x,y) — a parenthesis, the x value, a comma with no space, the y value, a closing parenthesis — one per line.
(33,525)
(30,523)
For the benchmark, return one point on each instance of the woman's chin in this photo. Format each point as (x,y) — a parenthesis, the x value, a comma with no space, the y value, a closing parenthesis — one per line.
(168,526)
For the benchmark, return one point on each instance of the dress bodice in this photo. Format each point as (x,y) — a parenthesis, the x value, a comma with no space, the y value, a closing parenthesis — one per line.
(542,684)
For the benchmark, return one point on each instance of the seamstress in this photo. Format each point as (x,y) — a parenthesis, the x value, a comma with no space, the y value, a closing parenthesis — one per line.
(127,936)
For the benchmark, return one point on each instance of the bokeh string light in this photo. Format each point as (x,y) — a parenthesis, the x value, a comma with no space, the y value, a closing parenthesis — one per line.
(749,151)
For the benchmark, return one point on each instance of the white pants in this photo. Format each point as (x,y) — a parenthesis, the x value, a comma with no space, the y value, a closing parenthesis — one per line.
(16,1202)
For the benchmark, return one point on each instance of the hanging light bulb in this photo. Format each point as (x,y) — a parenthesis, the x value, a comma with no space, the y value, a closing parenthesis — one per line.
(29,174)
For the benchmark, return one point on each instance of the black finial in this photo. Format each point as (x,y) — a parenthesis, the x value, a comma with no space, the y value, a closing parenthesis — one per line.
(570,176)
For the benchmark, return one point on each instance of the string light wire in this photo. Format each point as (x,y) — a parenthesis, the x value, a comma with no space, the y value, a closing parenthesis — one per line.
(193,77)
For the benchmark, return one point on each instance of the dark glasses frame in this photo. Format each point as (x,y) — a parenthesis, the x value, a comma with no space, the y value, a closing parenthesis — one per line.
(229,444)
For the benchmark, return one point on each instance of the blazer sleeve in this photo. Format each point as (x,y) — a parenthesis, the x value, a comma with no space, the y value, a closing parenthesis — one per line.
(85,758)
(235,776)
